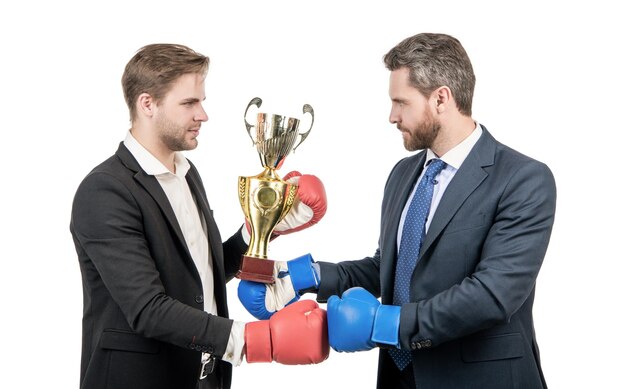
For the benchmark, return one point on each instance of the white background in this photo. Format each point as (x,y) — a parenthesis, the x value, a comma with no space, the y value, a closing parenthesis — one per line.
(550,83)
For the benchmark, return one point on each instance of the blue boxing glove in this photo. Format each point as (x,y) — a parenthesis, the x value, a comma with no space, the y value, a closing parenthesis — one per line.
(263,300)
(358,322)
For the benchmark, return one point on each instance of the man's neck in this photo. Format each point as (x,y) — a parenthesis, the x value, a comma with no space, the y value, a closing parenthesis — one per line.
(156,148)
(453,133)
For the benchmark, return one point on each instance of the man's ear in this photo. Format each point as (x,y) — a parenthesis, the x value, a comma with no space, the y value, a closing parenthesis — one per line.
(442,98)
(146,104)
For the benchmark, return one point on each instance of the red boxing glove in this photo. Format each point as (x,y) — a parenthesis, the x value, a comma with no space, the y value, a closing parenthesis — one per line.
(309,206)
(295,335)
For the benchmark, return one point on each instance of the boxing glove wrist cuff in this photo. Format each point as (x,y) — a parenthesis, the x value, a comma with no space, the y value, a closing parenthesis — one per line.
(387,326)
(303,275)
(258,341)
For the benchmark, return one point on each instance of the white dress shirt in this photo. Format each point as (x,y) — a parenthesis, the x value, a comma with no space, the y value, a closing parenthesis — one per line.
(454,159)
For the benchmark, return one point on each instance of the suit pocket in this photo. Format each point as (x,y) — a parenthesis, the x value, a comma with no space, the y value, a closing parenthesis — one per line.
(492,348)
(134,362)
(127,341)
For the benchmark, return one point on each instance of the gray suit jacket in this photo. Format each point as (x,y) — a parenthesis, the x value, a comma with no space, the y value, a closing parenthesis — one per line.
(143,322)
(469,323)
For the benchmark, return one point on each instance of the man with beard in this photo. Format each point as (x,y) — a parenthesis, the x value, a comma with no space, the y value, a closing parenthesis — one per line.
(153,264)
(465,225)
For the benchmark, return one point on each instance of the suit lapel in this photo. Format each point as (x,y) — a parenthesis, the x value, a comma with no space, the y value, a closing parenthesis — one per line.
(470,175)
(406,181)
(152,186)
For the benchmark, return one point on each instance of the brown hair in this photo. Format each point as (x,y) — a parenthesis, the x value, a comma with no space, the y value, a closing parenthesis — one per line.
(154,68)
(436,60)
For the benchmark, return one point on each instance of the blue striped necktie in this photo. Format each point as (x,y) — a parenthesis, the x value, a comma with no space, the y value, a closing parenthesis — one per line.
(410,244)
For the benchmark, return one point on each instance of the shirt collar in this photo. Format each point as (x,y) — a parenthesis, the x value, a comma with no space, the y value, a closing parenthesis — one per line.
(456,155)
(149,163)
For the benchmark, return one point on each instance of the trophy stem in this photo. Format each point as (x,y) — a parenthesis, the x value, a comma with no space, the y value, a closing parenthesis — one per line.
(269,174)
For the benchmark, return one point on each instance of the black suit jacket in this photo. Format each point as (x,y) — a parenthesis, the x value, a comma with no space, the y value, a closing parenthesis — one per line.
(469,323)
(143,322)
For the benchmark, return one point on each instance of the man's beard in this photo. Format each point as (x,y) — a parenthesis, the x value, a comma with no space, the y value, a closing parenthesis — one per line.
(424,135)
(173,135)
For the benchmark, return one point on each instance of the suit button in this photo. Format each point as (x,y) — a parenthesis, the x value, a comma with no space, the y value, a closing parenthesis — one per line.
(428,343)
(199,299)
(413,345)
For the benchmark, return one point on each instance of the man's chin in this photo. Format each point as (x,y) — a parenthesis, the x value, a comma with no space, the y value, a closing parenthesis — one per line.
(192,144)
(189,145)
(408,141)
(412,145)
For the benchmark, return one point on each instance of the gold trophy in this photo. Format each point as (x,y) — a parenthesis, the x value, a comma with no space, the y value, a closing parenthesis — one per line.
(266,199)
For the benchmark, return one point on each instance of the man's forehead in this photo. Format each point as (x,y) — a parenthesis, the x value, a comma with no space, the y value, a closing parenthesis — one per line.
(188,85)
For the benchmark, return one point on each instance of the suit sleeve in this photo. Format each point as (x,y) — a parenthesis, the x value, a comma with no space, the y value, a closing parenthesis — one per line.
(506,272)
(339,277)
(234,248)
(107,225)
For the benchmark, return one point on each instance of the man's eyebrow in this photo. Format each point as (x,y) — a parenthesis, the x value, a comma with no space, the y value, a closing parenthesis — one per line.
(190,100)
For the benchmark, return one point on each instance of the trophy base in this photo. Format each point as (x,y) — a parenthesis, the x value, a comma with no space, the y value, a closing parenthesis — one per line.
(256,269)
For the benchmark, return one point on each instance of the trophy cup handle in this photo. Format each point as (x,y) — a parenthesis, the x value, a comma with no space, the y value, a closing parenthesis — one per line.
(306,108)
(255,101)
